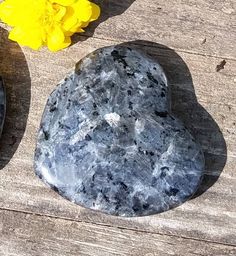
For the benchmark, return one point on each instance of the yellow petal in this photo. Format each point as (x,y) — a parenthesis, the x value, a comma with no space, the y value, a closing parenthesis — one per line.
(69,20)
(62,45)
(30,38)
(55,39)
(84,24)
(96,11)
(83,10)
(61,11)
(64,2)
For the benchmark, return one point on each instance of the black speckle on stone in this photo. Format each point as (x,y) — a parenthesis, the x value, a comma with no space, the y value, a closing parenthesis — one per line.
(129,92)
(124,186)
(106,198)
(154,181)
(151,153)
(68,105)
(131,105)
(110,176)
(54,188)
(106,100)
(135,142)
(129,74)
(161,114)
(165,168)
(88,137)
(61,126)
(94,105)
(95,113)
(52,108)
(118,202)
(93,177)
(65,92)
(151,78)
(41,177)
(163,175)
(163,94)
(137,206)
(46,135)
(146,206)
(119,58)
(177,130)
(38,152)
(83,189)
(172,191)
(140,150)
(100,91)
(125,128)
(164,171)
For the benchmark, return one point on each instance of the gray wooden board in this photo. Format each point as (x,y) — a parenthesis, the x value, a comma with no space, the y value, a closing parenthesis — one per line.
(27,235)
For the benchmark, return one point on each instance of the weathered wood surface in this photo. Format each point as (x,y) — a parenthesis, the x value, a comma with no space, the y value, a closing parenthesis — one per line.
(203,26)
(27,235)
(203,98)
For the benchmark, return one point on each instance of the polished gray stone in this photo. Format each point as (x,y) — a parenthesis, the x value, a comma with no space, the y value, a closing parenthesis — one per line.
(2,104)
(107,140)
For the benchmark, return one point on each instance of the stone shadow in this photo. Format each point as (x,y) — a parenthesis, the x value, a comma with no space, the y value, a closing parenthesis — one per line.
(15,74)
(109,8)
(185,106)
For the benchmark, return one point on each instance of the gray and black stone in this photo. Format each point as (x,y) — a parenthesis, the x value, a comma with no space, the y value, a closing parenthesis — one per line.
(108,142)
(2,104)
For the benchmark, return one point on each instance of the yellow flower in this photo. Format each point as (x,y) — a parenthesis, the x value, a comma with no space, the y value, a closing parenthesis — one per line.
(47,22)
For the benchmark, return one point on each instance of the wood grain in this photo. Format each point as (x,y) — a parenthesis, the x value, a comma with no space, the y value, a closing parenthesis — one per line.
(30,235)
(210,216)
(204,27)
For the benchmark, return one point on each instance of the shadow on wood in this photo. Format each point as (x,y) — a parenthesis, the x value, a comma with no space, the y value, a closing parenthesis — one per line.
(16,76)
(109,8)
(186,107)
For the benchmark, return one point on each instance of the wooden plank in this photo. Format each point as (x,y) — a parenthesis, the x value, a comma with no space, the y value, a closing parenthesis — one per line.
(204,27)
(28,235)
(210,216)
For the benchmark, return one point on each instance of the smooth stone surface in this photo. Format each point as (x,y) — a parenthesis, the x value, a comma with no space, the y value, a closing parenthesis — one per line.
(108,142)
(2,105)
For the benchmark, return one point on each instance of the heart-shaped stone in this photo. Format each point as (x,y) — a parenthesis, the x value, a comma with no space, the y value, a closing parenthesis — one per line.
(108,142)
